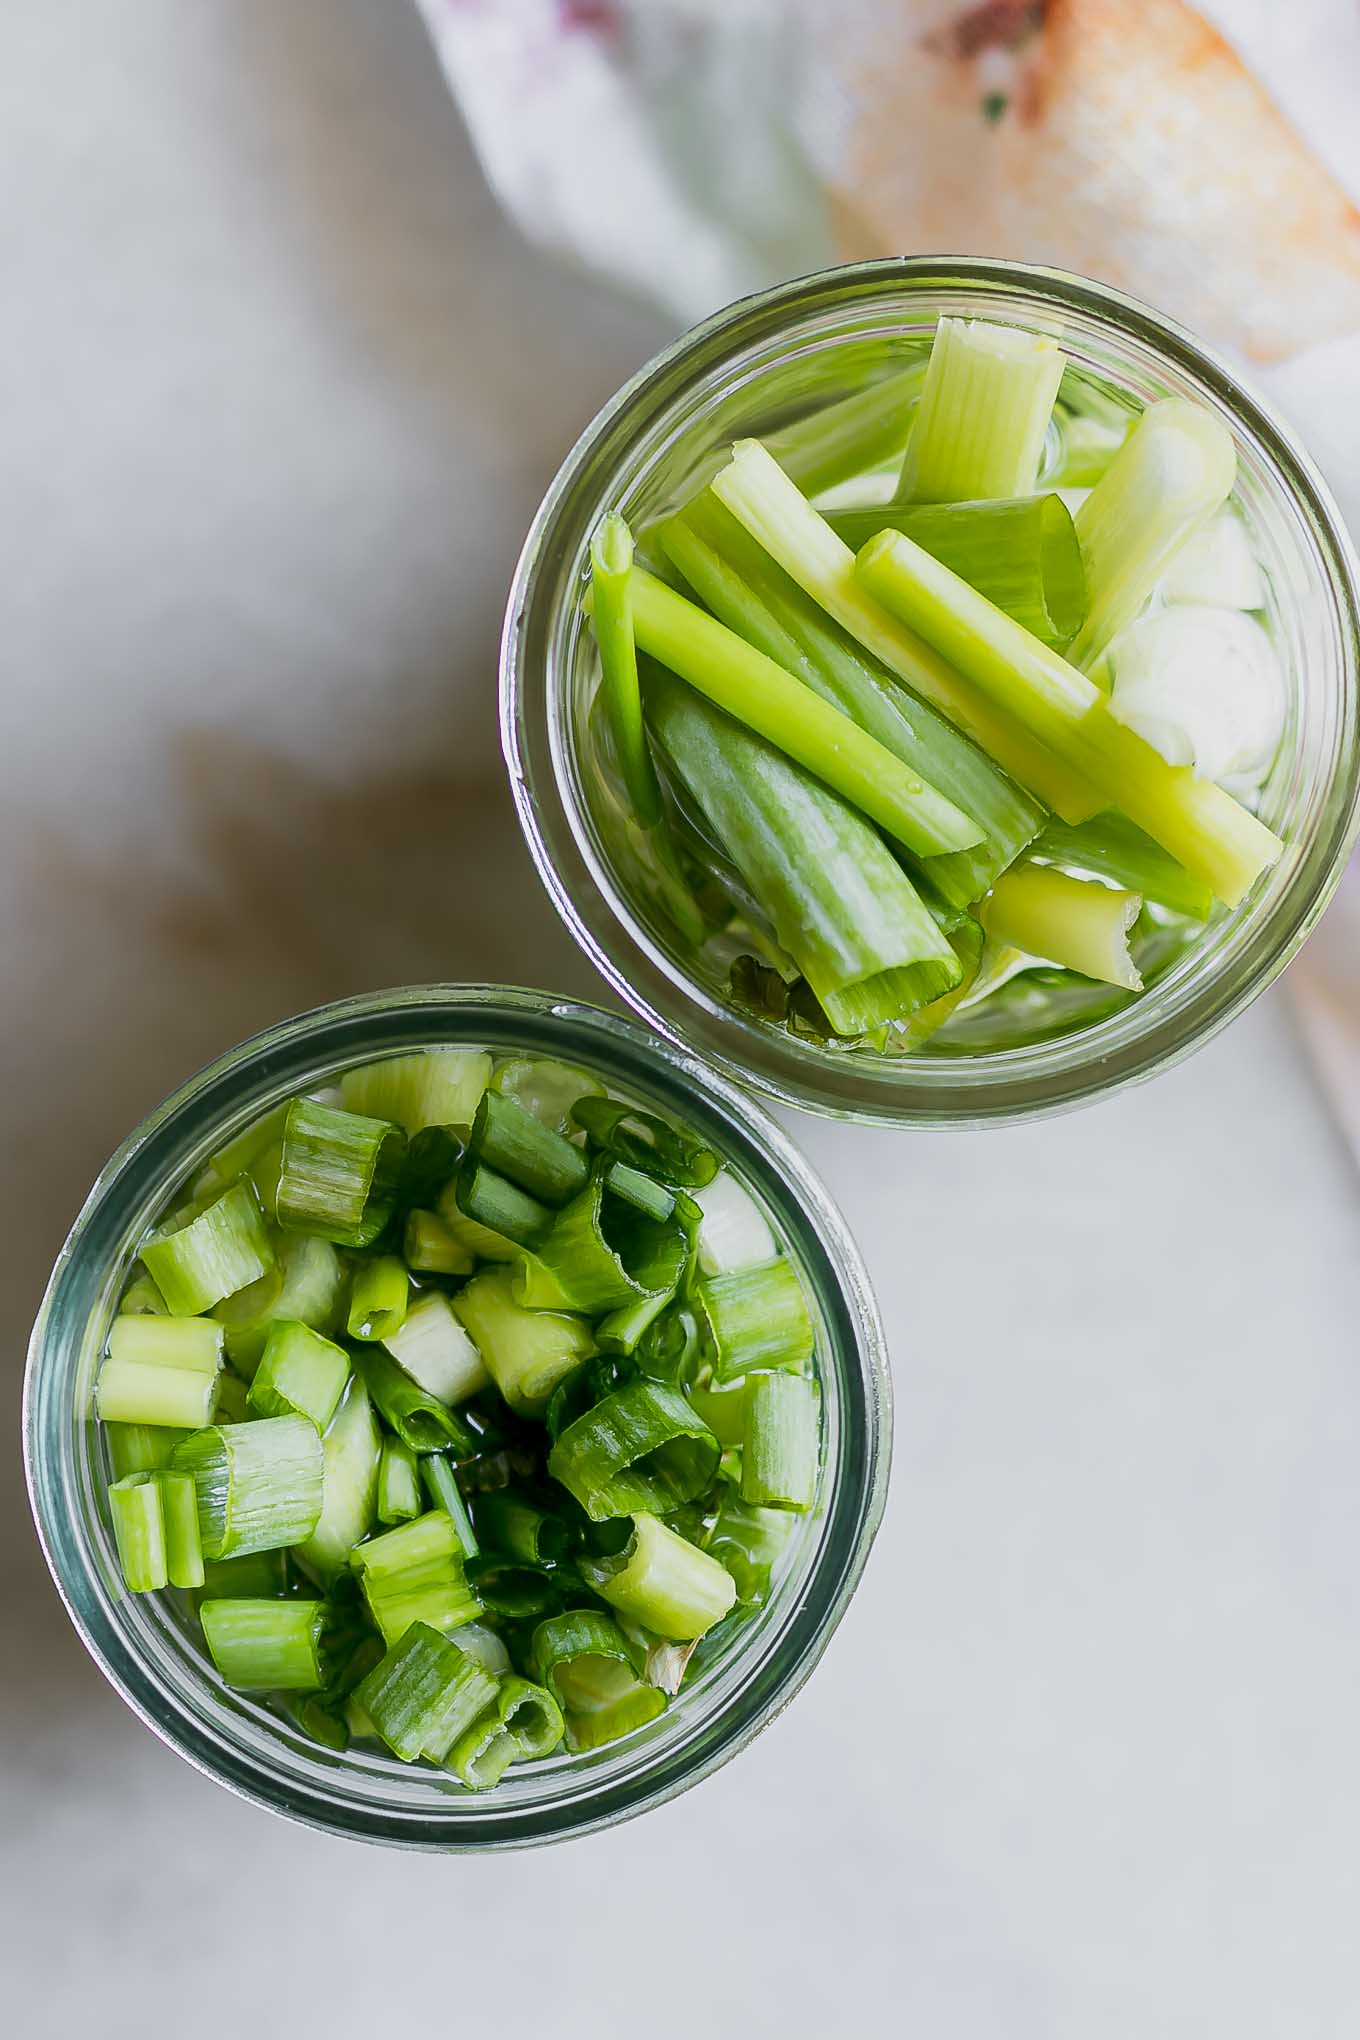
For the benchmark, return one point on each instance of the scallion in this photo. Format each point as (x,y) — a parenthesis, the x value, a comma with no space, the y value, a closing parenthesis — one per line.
(339,1173)
(985,409)
(430,1246)
(526,1352)
(399,1495)
(781,1442)
(756,1318)
(582,1657)
(378,1298)
(350,1451)
(641,1449)
(433,1348)
(419,1419)
(183,1543)
(1077,923)
(216,1253)
(611,581)
(415,1574)
(266,1646)
(139,1532)
(663,1581)
(424,1694)
(259,1484)
(436,1087)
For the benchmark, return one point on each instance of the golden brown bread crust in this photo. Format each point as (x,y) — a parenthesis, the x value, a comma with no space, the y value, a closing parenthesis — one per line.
(1132,146)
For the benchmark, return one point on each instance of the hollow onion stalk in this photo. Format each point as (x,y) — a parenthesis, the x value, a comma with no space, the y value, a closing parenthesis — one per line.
(338,1177)
(526,1352)
(641,1449)
(139,1532)
(663,1581)
(984,410)
(848,438)
(350,1452)
(266,1646)
(434,1087)
(300,1374)
(259,1484)
(611,580)
(1076,922)
(305,1283)
(216,1253)
(415,1574)
(583,1658)
(756,1318)
(780,1444)
(433,1348)
(378,1298)
(1111,847)
(423,1694)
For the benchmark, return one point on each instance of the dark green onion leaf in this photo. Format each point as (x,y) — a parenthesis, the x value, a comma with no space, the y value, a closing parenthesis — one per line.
(641,1450)
(645,1142)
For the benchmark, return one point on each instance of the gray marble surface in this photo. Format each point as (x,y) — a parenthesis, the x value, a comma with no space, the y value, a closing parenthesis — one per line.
(280,395)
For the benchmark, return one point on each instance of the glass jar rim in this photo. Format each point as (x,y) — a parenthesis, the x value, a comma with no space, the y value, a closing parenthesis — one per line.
(256,1754)
(1152,1033)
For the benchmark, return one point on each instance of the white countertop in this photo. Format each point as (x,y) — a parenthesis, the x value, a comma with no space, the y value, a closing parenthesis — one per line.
(281,394)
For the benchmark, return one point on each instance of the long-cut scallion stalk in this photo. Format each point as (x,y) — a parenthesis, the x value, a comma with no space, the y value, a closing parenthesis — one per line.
(663,1581)
(780,1449)
(339,1173)
(433,1347)
(259,1484)
(984,412)
(350,1453)
(216,1253)
(745,588)
(1078,923)
(183,1542)
(424,1694)
(399,1496)
(641,1449)
(1200,825)
(756,1318)
(441,1482)
(434,1087)
(378,1298)
(1021,554)
(305,1283)
(415,1574)
(526,1352)
(1111,847)
(584,1660)
(834,895)
(611,580)
(300,1375)
(139,1532)
(1175,469)
(763,499)
(266,1646)
(805,726)
(860,432)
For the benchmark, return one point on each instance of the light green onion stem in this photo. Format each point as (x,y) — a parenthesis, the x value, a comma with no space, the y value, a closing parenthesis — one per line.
(399,1495)
(547,1089)
(419,1419)
(493,1201)
(305,1283)
(139,1448)
(611,580)
(339,1173)
(350,1453)
(431,1247)
(508,1138)
(663,1581)
(583,1659)
(215,1254)
(849,438)
(510,1524)
(378,1298)
(259,1484)
(435,1350)
(641,1449)
(757,1318)
(300,1375)
(436,1087)
(780,1449)
(415,1574)
(266,1646)
(183,1543)
(525,1721)
(526,1352)
(442,1484)
(1076,922)
(985,409)
(139,1532)
(424,1694)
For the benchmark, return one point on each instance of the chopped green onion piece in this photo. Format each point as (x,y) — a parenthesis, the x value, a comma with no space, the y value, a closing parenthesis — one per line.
(434,1349)
(481,1643)
(257,1577)
(766,502)
(183,1544)
(444,1491)
(149,1391)
(340,1173)
(583,1659)
(1215,838)
(139,1448)
(749,1542)
(305,1283)
(415,1574)
(642,1449)
(509,1139)
(499,1205)
(1174,470)
(141,1298)
(424,1694)
(780,1449)
(734,1233)
(350,1452)
(214,1255)
(723,1410)
(259,1484)
(547,1089)
(623,1330)
(236,1156)
(984,413)
(430,1247)
(644,1142)
(139,1532)
(1077,923)
(399,1496)
(663,1581)
(611,581)
(266,1646)
(419,1419)
(378,1298)
(525,1721)
(812,731)
(595,1259)
(432,1158)
(436,1087)
(521,1530)
(1023,554)
(321,1719)
(191,1344)
(300,1375)
(233,1399)
(832,891)
(526,1352)
(1111,847)
(479,1241)
(757,1318)
(514,1593)
(848,438)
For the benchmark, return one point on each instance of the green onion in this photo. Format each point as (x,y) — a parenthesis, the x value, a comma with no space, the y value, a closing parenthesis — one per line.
(583,1659)
(179,1514)
(399,1496)
(780,1449)
(415,1574)
(595,1261)
(723,1410)
(766,502)
(266,1646)
(141,1298)
(340,1173)
(984,413)
(300,1375)
(236,1156)
(215,1254)
(643,1142)
(1023,554)
(419,1419)
(547,1089)
(166,1379)
(139,1532)
(232,1405)
(663,1581)
(493,1201)
(1077,923)
(812,731)
(257,1577)
(378,1298)
(757,1318)
(744,587)
(481,1643)
(259,1484)
(430,1164)
(482,1242)
(640,1450)
(1175,469)
(611,581)
(1111,847)
(430,1247)
(435,1087)
(833,893)
(140,1448)
(734,1233)
(1215,838)
(514,1593)
(350,1452)
(305,1284)
(521,1530)
(188,1344)
(434,1349)
(749,1541)
(525,1721)
(848,438)
(509,1139)
(442,1483)
(526,1352)
(424,1694)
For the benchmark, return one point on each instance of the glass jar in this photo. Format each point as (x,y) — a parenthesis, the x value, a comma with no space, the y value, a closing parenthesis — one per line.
(763,362)
(145,1648)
